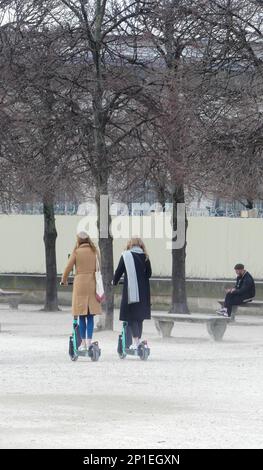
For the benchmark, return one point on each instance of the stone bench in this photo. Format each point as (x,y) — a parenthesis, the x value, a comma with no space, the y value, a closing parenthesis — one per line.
(13,298)
(216,325)
(249,303)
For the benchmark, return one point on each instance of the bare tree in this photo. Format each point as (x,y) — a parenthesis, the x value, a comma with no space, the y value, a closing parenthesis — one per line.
(200,47)
(42,140)
(102,86)
(106,85)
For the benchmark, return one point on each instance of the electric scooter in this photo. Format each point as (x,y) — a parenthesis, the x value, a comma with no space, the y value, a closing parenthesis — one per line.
(125,341)
(93,352)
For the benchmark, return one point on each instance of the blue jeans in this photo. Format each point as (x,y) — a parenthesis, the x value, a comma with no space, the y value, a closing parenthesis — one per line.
(86,326)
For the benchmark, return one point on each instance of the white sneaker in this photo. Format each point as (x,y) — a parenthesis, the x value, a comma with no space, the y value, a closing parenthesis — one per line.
(82,348)
(221,311)
(133,347)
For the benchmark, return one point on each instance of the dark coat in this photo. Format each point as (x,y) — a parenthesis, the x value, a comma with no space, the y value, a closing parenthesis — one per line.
(245,286)
(140,310)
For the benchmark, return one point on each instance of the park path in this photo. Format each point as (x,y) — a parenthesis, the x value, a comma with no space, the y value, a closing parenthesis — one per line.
(192,393)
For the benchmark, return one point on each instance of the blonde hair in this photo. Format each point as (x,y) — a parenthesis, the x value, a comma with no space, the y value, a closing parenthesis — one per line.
(137,241)
(81,241)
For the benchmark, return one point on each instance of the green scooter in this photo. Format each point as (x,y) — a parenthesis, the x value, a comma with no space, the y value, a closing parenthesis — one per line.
(93,352)
(124,342)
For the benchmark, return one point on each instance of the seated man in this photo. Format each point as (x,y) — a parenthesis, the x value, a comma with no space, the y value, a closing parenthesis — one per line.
(243,290)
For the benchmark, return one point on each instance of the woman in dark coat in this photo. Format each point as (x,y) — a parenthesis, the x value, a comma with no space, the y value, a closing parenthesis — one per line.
(135,303)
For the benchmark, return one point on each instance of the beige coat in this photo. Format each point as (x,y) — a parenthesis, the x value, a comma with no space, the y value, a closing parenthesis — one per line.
(84,286)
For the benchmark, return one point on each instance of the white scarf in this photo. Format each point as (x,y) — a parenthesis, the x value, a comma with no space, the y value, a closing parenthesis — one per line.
(133,290)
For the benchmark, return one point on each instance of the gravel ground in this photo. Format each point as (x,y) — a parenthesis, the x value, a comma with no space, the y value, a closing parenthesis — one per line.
(191,393)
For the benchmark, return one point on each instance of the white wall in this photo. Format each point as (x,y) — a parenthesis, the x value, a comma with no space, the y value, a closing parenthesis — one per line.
(214,245)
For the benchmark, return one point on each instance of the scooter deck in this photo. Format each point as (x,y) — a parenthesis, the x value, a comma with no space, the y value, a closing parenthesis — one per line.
(82,353)
(132,352)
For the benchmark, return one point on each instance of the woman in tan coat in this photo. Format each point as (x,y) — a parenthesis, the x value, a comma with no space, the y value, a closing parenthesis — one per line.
(84,302)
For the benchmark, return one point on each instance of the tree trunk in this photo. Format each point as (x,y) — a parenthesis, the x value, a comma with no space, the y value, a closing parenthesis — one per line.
(179,299)
(102,170)
(161,195)
(106,250)
(50,236)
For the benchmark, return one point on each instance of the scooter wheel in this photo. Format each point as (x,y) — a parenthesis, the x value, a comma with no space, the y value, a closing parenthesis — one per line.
(143,352)
(95,352)
(120,351)
(74,358)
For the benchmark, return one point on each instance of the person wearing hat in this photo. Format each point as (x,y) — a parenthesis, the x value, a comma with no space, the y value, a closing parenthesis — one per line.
(243,290)
(84,301)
